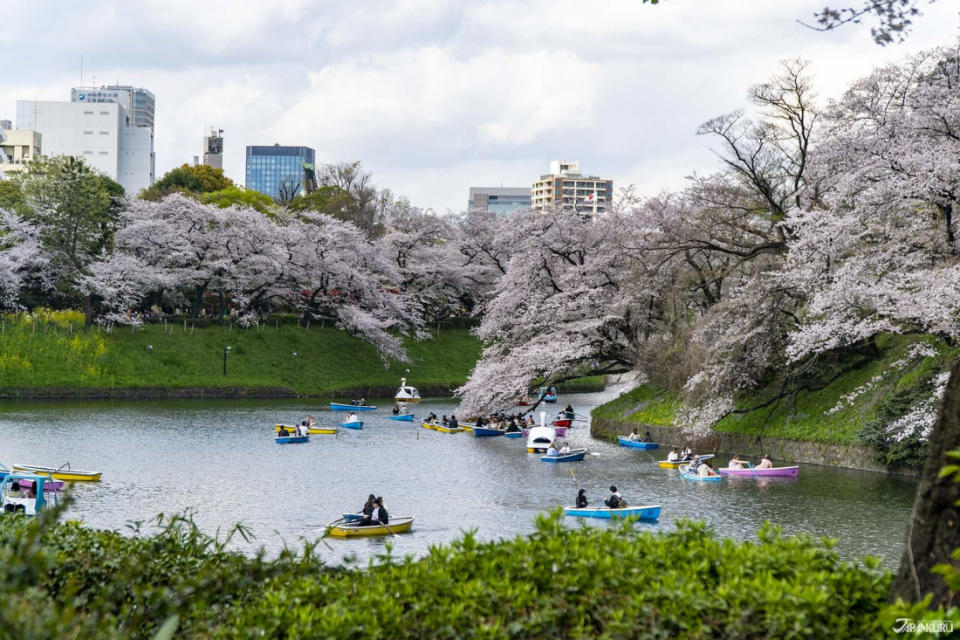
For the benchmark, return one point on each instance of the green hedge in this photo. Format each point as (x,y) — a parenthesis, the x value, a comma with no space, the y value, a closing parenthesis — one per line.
(562,581)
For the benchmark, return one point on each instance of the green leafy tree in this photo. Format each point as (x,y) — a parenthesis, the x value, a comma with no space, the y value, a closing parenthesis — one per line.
(11,197)
(240,197)
(76,210)
(188,179)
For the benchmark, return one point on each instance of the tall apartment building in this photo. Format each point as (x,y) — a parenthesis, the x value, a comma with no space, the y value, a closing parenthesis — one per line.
(278,171)
(213,149)
(17,148)
(110,128)
(568,190)
(500,200)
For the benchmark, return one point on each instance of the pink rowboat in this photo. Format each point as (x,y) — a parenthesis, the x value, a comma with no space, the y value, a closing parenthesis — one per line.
(50,485)
(558,431)
(776,472)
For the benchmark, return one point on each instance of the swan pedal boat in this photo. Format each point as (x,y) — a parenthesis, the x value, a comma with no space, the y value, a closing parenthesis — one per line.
(357,424)
(646,512)
(292,439)
(574,455)
(314,431)
(627,442)
(557,431)
(26,505)
(400,524)
(753,472)
(666,464)
(338,406)
(72,475)
(405,417)
(693,476)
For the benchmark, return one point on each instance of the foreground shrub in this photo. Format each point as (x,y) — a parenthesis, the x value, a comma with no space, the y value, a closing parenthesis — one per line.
(559,582)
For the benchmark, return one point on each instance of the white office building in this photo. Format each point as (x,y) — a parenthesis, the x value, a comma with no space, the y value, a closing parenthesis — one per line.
(105,133)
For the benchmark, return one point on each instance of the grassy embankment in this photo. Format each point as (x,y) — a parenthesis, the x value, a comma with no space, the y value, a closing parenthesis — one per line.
(810,415)
(53,351)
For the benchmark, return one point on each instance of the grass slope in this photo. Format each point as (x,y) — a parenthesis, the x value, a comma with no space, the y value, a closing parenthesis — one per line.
(817,416)
(56,351)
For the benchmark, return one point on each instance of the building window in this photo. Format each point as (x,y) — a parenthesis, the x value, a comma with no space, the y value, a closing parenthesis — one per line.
(88,133)
(104,133)
(103,113)
(88,113)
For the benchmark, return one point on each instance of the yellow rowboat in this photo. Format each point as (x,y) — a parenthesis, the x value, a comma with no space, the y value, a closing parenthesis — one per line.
(665,464)
(429,425)
(443,429)
(466,426)
(60,473)
(316,431)
(354,530)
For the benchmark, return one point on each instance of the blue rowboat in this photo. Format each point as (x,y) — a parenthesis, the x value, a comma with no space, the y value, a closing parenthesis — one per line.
(575,455)
(407,417)
(626,442)
(686,474)
(292,439)
(647,512)
(484,432)
(352,425)
(336,406)
(514,434)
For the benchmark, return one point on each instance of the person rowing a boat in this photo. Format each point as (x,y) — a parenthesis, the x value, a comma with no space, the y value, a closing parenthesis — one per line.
(764,463)
(647,437)
(634,436)
(582,499)
(283,433)
(694,465)
(565,449)
(735,462)
(378,515)
(686,453)
(512,426)
(302,429)
(614,500)
(673,456)
(705,471)
(351,417)
(311,422)
(454,423)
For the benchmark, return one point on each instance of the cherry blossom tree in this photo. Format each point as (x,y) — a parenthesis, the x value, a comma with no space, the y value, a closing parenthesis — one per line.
(20,257)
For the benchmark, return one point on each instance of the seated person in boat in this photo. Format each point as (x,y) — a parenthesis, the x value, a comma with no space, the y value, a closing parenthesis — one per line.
(704,470)
(512,426)
(311,422)
(686,454)
(695,463)
(647,437)
(582,499)
(396,409)
(351,417)
(633,437)
(568,409)
(431,418)
(531,422)
(283,431)
(614,500)
(673,456)
(552,449)
(735,462)
(32,490)
(480,421)
(304,429)
(15,491)
(368,505)
(454,423)
(565,449)
(377,516)
(765,463)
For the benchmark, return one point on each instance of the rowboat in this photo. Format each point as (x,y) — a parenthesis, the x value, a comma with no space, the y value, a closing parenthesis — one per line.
(443,429)
(405,393)
(314,431)
(753,472)
(693,476)
(666,464)
(466,426)
(357,424)
(400,524)
(575,455)
(550,398)
(27,505)
(406,417)
(561,422)
(292,439)
(336,406)
(60,473)
(513,434)
(627,442)
(648,512)
(558,431)
(485,432)
(429,425)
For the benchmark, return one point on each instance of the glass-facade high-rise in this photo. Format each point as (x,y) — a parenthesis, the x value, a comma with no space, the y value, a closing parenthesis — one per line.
(277,171)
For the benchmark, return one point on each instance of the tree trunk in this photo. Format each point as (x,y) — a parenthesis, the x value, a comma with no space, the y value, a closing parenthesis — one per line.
(88,308)
(934,529)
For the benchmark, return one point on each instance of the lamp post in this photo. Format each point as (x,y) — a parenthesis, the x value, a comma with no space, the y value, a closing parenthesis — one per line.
(226,350)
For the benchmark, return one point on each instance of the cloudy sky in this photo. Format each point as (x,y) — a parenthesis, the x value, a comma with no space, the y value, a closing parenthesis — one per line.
(435,96)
